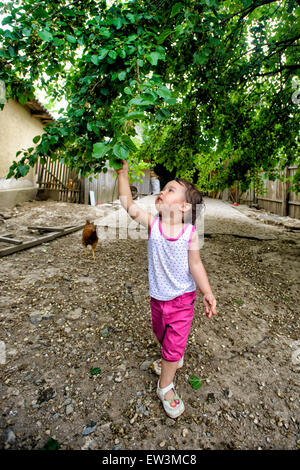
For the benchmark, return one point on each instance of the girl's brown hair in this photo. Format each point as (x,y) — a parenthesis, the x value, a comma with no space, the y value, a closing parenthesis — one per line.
(193,196)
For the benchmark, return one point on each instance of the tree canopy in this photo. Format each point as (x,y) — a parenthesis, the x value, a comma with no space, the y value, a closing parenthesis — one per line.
(214,84)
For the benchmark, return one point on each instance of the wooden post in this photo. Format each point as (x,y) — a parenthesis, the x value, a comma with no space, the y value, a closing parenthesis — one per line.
(285,195)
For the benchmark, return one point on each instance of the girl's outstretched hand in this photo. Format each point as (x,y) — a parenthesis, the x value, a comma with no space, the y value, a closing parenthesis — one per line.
(210,303)
(124,168)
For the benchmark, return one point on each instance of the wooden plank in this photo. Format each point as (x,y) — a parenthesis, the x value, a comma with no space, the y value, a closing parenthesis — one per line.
(294,203)
(269,199)
(40,240)
(12,241)
(29,244)
(47,229)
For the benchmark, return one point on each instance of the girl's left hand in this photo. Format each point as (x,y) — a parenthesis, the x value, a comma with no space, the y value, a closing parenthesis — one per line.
(210,303)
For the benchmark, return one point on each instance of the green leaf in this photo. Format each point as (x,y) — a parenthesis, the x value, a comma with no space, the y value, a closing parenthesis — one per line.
(163,36)
(115,163)
(145,99)
(171,100)
(128,142)
(122,76)
(121,151)
(103,54)
(95,59)
(51,444)
(164,92)
(159,54)
(195,382)
(153,58)
(45,35)
(201,57)
(117,22)
(112,54)
(127,90)
(162,114)
(23,169)
(176,9)
(7,20)
(26,32)
(100,149)
(71,39)
(122,53)
(131,17)
(36,139)
(104,32)
(95,370)
(239,302)
(136,100)
(136,116)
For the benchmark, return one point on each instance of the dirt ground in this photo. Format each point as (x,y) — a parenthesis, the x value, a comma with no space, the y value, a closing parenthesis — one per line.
(77,341)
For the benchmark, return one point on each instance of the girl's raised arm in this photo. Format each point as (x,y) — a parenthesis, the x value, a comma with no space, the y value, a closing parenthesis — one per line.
(136,212)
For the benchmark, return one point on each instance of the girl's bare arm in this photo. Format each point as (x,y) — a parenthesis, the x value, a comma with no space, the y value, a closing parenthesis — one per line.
(199,274)
(135,212)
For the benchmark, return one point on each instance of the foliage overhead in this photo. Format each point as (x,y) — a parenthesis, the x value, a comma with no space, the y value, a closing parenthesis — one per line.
(213,83)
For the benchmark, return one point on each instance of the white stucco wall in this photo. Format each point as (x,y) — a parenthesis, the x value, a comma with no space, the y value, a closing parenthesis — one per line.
(17,129)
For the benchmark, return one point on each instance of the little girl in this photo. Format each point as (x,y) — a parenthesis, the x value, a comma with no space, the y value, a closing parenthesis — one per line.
(175,270)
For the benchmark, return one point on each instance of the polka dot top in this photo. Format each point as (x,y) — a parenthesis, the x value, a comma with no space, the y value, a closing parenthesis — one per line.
(168,266)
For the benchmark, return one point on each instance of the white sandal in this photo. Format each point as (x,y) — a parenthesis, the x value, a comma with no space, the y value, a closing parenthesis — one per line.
(157,369)
(173,407)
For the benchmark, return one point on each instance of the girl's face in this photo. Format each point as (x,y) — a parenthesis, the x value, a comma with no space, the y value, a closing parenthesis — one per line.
(171,198)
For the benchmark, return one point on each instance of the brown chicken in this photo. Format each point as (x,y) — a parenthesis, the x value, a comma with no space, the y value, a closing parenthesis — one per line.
(90,237)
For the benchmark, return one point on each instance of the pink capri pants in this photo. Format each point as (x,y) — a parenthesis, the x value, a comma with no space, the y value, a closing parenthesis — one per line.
(171,323)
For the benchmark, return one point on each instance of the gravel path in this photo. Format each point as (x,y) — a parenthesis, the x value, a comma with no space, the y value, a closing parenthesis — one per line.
(77,342)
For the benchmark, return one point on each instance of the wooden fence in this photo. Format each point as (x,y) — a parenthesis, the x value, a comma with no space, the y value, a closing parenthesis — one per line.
(105,186)
(277,198)
(57,181)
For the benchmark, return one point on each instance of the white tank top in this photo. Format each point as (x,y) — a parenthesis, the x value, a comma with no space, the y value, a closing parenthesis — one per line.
(168,266)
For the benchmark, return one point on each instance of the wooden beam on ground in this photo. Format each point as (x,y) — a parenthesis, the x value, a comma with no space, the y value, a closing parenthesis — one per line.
(40,240)
(13,241)
(249,237)
(47,229)
(50,229)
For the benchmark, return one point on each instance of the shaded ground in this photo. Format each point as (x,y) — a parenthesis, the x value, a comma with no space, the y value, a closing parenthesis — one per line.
(63,315)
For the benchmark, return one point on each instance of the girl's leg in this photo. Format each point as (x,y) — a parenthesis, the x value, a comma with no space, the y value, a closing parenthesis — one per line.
(168,370)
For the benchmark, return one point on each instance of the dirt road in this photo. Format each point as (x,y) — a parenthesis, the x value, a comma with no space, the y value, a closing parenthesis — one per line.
(77,342)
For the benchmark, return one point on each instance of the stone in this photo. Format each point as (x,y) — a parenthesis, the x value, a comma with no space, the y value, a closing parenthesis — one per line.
(89,429)
(35,317)
(145,365)
(75,314)
(89,444)
(69,410)
(11,437)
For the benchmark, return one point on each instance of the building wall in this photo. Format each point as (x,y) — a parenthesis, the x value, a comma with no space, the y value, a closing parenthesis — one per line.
(17,129)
